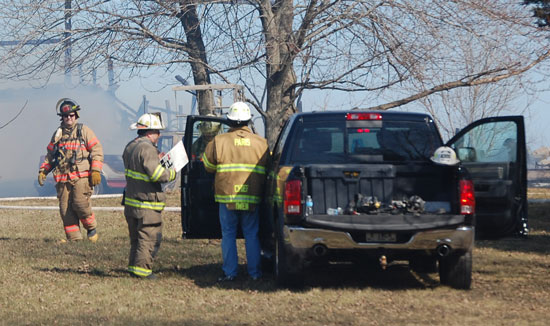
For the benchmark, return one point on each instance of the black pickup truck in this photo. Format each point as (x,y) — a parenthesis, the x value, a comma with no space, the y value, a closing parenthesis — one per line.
(362,187)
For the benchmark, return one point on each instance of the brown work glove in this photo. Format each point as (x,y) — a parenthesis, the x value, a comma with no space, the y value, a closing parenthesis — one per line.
(41,178)
(95,178)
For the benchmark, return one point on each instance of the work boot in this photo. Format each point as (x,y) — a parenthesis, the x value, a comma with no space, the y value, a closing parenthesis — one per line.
(92,235)
(61,241)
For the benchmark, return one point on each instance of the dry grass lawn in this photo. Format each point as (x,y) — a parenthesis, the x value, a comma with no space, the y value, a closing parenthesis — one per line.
(43,282)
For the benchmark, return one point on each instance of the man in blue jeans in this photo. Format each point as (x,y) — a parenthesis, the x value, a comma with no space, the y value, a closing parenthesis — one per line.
(239,159)
(229,219)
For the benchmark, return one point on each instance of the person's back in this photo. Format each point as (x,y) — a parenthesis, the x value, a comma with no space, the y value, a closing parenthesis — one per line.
(239,159)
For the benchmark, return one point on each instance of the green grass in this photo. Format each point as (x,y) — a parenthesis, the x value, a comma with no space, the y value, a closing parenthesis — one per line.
(43,282)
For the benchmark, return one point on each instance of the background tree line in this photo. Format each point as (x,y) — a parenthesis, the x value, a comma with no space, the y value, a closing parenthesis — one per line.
(461,59)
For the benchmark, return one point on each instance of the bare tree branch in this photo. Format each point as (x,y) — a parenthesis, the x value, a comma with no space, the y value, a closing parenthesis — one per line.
(15,117)
(464,82)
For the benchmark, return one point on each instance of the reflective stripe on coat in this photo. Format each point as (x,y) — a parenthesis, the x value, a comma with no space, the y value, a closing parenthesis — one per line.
(239,158)
(86,150)
(144,175)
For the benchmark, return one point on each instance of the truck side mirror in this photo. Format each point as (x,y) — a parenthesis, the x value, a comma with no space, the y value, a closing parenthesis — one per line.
(466,154)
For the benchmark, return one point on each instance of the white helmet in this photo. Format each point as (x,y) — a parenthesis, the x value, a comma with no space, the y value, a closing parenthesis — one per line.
(445,155)
(148,121)
(239,111)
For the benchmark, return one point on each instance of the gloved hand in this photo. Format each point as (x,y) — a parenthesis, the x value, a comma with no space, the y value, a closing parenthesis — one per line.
(41,178)
(95,178)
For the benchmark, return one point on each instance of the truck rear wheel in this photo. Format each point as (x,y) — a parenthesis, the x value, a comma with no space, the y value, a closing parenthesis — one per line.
(285,275)
(456,271)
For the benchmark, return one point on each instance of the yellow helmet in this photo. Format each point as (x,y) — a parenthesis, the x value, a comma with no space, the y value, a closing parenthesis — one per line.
(209,128)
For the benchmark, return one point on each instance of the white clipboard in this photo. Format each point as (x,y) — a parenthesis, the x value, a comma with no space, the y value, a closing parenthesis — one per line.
(176,158)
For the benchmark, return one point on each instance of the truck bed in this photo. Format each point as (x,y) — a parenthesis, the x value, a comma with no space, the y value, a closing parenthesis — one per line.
(338,186)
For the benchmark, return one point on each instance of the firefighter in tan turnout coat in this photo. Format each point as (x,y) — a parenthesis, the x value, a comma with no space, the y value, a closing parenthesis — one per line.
(75,156)
(239,158)
(144,199)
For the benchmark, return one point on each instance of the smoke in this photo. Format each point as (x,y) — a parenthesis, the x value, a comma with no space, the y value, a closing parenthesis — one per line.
(25,138)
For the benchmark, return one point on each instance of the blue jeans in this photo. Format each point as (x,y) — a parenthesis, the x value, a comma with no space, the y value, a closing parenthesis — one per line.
(229,221)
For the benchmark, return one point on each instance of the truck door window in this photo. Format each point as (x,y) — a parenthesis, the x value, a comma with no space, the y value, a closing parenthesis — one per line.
(489,142)
(203,133)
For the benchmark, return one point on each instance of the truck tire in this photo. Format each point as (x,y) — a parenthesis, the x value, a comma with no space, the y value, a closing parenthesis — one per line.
(285,276)
(456,271)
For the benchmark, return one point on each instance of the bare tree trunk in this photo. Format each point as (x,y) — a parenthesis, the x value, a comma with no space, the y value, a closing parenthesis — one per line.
(280,102)
(197,54)
(281,78)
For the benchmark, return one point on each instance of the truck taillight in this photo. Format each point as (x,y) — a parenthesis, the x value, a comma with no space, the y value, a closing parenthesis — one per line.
(363,116)
(467,198)
(293,197)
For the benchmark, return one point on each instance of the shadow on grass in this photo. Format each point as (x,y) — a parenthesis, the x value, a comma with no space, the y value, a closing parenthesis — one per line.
(117,273)
(395,277)
(330,276)
(538,240)
(107,263)
(534,243)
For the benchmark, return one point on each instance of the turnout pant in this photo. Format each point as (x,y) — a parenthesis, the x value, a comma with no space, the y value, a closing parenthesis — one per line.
(75,206)
(145,229)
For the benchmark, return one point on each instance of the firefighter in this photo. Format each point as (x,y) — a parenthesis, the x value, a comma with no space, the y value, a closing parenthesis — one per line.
(239,160)
(75,156)
(144,199)
(208,130)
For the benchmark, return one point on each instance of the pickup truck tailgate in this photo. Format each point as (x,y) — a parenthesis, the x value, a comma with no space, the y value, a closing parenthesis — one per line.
(337,186)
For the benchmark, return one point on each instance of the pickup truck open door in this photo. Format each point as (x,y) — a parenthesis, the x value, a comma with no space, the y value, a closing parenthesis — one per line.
(493,150)
(199,211)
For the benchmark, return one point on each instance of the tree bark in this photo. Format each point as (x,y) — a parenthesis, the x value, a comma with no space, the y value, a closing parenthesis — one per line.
(281,78)
(197,54)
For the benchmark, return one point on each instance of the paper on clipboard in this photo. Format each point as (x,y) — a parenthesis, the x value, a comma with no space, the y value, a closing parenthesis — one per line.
(176,158)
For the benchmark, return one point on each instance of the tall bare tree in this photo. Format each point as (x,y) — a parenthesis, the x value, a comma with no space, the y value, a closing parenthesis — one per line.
(393,52)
